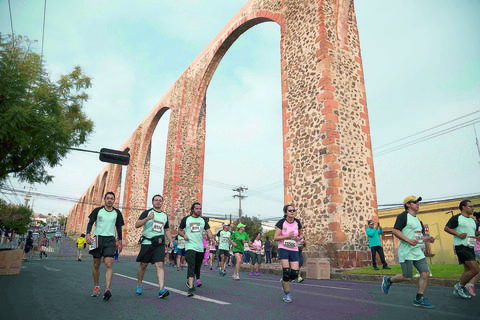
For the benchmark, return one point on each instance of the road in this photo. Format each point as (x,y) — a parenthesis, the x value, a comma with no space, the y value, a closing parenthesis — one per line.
(59,288)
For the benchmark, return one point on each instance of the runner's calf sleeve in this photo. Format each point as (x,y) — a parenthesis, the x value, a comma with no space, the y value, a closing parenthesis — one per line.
(286,274)
(293,274)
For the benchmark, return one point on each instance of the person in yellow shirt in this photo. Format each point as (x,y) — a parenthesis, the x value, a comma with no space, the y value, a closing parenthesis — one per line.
(81,244)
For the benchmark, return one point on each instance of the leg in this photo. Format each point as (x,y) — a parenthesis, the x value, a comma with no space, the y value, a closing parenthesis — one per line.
(239,259)
(160,274)
(222,262)
(373,250)
(382,257)
(190,257)
(286,275)
(108,261)
(96,271)
(470,271)
(141,272)
(198,264)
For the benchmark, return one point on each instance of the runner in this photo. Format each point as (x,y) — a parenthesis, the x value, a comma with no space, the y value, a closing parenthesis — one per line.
(464,230)
(288,232)
(224,243)
(213,253)
(256,254)
(180,252)
(102,244)
(155,227)
(409,229)
(191,229)
(81,244)
(239,238)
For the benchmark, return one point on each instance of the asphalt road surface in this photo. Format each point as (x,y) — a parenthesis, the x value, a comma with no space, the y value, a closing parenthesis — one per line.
(59,288)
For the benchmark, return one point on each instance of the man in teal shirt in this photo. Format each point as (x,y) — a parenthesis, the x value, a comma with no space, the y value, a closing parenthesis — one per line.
(375,244)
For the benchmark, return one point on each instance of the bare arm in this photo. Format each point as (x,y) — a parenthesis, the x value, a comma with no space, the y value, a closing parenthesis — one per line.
(402,237)
(141,223)
(455,233)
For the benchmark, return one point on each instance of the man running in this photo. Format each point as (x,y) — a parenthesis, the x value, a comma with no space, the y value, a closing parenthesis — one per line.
(464,230)
(191,229)
(103,243)
(239,238)
(288,232)
(224,242)
(409,229)
(155,227)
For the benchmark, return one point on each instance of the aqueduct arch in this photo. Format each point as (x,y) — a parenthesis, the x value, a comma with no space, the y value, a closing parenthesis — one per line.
(328,166)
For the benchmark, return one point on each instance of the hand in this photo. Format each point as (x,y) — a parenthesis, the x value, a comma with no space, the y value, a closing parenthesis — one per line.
(462,235)
(150,216)
(120,246)
(412,242)
(88,239)
(186,238)
(236,245)
(291,235)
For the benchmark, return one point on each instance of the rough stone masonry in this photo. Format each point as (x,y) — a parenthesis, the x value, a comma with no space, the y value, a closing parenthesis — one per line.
(328,166)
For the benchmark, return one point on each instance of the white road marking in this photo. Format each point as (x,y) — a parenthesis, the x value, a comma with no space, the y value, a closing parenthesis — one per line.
(51,269)
(177,291)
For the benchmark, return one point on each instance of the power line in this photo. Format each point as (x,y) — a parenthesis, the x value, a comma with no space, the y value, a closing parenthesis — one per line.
(43,31)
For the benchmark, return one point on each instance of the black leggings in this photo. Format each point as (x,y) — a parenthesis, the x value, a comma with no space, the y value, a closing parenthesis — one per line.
(194,260)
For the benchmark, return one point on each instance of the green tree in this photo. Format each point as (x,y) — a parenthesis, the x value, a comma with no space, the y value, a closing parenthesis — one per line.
(41,118)
(15,217)
(253,226)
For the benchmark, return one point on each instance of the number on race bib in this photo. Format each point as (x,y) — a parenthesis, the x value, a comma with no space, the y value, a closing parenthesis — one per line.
(472,241)
(157,226)
(289,243)
(419,237)
(195,227)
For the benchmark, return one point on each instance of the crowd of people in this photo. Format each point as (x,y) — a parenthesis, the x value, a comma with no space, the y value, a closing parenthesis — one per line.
(195,244)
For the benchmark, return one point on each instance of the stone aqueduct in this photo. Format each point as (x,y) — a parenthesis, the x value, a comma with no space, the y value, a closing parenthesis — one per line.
(328,166)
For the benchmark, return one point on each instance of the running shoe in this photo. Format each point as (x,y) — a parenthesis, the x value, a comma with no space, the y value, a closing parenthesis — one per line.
(224,273)
(422,303)
(190,290)
(199,283)
(385,285)
(95,292)
(461,292)
(163,293)
(470,288)
(178,268)
(256,273)
(251,273)
(287,298)
(220,272)
(107,295)
(300,279)
(139,290)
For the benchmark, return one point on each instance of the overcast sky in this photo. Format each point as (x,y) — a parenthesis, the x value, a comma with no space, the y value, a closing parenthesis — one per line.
(421,61)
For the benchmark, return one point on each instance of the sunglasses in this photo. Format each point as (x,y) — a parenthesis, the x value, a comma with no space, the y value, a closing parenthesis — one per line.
(291,210)
(414,202)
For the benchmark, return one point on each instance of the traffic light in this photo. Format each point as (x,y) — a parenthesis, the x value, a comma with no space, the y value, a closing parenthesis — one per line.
(114,156)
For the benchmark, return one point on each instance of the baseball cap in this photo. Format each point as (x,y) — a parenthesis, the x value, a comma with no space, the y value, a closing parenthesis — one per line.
(241,225)
(370,221)
(411,198)
(225,224)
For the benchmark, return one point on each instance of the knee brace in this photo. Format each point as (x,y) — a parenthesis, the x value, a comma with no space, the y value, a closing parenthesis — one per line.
(286,274)
(293,274)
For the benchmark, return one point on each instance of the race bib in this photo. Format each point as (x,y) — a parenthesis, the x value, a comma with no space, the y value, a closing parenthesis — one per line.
(471,241)
(157,226)
(195,227)
(419,237)
(289,243)
(181,241)
(94,244)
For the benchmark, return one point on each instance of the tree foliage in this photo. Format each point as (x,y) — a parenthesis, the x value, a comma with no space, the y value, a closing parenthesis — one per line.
(15,217)
(253,226)
(40,118)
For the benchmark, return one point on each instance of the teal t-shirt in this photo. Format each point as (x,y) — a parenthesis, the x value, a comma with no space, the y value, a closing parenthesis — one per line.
(412,228)
(462,224)
(374,236)
(224,240)
(105,224)
(154,227)
(181,242)
(194,228)
(237,238)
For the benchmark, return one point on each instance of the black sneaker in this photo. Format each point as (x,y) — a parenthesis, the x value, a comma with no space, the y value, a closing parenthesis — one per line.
(107,295)
(387,268)
(376,269)
(190,290)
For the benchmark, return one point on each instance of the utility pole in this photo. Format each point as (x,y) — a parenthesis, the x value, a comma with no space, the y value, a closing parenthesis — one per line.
(240,189)
(28,197)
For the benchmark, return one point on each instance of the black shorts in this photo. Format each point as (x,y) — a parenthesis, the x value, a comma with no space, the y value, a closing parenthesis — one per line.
(226,253)
(105,247)
(464,254)
(151,254)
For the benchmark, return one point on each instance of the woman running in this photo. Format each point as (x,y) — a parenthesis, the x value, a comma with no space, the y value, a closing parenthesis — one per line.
(288,233)
(256,254)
